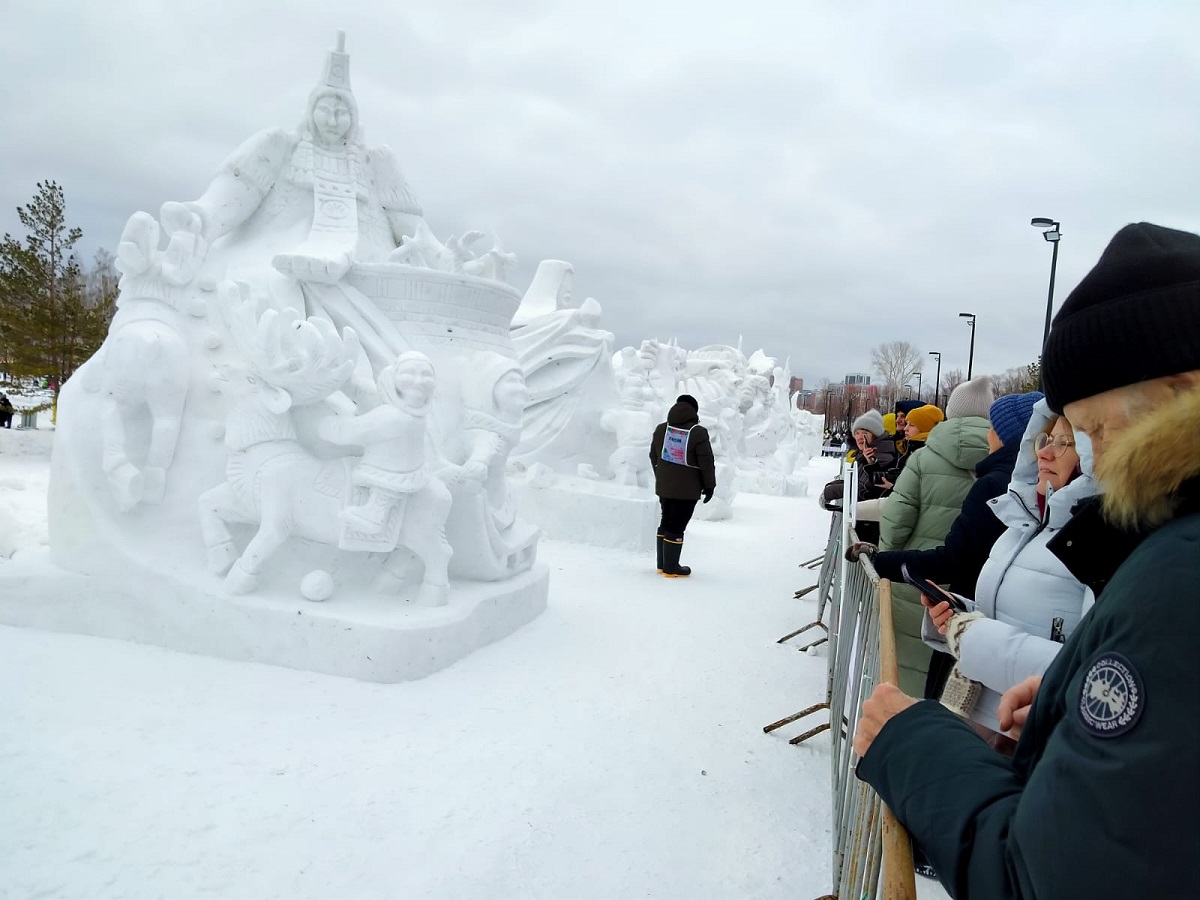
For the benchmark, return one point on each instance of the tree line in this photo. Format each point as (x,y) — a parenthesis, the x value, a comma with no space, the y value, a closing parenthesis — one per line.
(897,363)
(54,310)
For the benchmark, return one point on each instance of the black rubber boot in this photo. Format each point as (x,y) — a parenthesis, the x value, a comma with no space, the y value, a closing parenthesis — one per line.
(672,548)
(659,545)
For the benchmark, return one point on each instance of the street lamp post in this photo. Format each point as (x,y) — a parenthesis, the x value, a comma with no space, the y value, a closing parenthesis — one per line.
(919,384)
(1052,232)
(971,358)
(937,382)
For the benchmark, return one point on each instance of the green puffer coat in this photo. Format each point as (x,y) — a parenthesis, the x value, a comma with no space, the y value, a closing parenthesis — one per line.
(917,516)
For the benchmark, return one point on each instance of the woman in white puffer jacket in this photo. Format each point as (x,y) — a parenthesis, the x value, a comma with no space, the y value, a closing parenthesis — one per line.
(1026,602)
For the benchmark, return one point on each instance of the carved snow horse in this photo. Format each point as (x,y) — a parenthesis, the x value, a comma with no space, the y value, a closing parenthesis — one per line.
(272,480)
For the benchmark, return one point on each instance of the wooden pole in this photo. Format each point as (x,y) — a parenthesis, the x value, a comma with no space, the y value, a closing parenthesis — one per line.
(899,880)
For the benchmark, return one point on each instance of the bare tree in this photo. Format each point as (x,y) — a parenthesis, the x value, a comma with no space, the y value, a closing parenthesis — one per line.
(895,362)
(951,380)
(1011,381)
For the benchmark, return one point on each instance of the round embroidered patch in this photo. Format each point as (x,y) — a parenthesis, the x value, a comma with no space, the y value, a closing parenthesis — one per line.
(1111,698)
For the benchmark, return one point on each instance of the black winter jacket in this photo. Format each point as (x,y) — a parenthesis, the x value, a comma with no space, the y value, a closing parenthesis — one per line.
(958,561)
(676,482)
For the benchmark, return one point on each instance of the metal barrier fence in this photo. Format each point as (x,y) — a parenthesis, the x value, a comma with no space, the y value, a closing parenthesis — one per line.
(868,842)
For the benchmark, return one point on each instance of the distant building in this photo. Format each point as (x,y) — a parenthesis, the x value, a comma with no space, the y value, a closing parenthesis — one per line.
(857,380)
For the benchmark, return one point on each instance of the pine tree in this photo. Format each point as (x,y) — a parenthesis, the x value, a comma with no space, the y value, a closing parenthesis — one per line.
(51,322)
(1033,376)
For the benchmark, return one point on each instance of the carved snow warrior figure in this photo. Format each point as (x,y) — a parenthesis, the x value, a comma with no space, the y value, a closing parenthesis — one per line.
(484,515)
(392,431)
(309,200)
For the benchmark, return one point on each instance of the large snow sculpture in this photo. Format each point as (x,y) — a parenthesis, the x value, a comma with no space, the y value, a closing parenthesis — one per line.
(371,396)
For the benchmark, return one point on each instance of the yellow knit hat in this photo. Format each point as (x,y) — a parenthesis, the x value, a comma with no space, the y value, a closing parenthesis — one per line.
(925,418)
(889,423)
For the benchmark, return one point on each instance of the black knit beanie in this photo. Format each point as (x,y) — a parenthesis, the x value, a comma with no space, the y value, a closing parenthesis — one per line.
(1134,317)
(689,400)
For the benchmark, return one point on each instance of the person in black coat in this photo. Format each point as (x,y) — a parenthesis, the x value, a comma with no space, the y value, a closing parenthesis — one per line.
(959,560)
(6,411)
(1099,798)
(902,409)
(684,471)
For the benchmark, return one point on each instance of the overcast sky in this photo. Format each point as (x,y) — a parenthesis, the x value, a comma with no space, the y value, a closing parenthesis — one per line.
(817,177)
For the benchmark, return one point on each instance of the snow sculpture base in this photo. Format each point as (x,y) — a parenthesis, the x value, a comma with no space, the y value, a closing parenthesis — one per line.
(371,640)
(586,511)
(771,483)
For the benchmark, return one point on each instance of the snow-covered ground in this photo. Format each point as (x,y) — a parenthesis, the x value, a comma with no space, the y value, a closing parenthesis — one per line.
(24,480)
(612,748)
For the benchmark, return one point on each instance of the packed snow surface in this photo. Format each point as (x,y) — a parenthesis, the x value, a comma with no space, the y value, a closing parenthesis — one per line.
(612,748)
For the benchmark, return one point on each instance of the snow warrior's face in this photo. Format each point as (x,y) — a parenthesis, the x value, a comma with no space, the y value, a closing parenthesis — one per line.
(332,118)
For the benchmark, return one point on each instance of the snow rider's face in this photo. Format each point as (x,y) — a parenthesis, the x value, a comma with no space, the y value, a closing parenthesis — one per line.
(510,393)
(415,383)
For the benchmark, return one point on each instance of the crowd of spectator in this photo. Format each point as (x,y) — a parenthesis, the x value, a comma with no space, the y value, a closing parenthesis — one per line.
(1065,531)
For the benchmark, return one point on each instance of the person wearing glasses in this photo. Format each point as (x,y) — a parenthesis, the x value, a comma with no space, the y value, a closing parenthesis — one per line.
(1100,797)
(1026,602)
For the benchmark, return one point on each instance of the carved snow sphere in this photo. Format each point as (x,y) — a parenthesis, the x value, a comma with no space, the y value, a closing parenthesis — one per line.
(316,586)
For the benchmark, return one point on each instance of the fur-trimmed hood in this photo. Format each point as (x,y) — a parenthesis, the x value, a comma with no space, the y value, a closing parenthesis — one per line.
(1144,469)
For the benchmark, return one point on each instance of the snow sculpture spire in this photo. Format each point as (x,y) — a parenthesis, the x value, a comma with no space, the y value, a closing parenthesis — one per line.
(337,67)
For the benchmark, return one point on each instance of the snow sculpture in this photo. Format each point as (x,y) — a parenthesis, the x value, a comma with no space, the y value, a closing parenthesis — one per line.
(484,516)
(274,482)
(141,373)
(633,426)
(370,396)
(567,362)
(743,402)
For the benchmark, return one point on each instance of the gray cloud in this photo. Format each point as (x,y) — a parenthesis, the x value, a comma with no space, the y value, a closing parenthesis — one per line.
(815,179)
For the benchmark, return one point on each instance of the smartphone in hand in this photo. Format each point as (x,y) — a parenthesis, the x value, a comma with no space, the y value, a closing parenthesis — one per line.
(935,594)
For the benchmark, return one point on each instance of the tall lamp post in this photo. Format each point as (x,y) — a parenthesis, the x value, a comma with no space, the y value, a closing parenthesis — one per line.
(1053,233)
(918,374)
(937,382)
(971,358)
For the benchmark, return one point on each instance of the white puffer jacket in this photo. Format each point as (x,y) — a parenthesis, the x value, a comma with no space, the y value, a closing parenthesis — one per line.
(1025,592)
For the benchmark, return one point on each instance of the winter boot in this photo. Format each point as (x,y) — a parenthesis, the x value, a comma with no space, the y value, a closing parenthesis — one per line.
(659,545)
(672,548)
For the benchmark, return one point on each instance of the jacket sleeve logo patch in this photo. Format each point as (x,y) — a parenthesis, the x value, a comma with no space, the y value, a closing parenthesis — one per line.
(1111,698)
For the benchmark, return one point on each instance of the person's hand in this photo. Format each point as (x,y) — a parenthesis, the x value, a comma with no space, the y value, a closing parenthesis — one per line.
(887,701)
(1016,703)
(887,484)
(861,548)
(869,453)
(939,613)
(708,495)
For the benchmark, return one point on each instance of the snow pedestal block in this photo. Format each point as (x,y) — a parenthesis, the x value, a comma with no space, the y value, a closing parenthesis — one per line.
(586,511)
(363,639)
(773,484)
